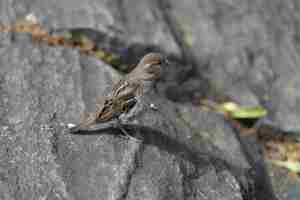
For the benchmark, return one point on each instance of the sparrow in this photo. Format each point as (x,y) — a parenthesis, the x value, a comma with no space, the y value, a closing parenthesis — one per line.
(125,94)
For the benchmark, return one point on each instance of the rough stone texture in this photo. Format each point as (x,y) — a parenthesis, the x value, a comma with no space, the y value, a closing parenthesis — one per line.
(43,88)
(37,88)
(244,50)
(249,51)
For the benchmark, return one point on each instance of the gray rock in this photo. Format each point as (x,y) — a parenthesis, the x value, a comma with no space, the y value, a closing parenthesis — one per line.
(239,53)
(44,88)
(251,51)
(39,86)
(145,24)
(185,154)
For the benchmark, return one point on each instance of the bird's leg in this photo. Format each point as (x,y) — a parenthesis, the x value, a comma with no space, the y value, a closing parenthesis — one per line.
(126,134)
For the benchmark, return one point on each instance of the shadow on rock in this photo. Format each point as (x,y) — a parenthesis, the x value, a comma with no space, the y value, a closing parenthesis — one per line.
(183,82)
(201,160)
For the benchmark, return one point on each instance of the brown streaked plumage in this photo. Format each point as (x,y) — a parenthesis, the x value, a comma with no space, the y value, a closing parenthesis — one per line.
(125,93)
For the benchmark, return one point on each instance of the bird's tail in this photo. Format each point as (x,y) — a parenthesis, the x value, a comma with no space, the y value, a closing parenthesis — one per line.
(89,119)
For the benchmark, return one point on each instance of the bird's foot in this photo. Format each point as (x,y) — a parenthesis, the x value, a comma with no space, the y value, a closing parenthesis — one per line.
(126,134)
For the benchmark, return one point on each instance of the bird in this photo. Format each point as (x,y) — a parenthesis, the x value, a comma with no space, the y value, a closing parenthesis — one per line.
(125,94)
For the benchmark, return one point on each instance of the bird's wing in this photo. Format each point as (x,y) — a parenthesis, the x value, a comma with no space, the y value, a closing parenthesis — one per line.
(105,110)
(125,90)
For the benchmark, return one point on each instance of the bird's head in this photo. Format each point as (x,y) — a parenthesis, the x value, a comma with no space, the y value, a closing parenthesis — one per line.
(151,66)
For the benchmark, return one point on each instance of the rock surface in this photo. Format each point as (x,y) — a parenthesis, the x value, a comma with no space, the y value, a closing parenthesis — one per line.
(42,89)
(242,50)
(247,50)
